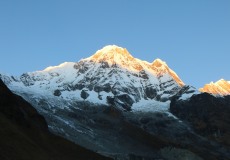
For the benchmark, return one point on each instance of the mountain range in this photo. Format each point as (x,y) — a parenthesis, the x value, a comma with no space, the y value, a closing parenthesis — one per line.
(110,72)
(125,108)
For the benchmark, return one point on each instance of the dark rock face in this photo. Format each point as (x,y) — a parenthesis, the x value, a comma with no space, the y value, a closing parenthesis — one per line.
(57,92)
(24,133)
(27,80)
(106,87)
(150,92)
(121,101)
(208,115)
(143,75)
(84,94)
(81,67)
(104,64)
(78,87)
(124,101)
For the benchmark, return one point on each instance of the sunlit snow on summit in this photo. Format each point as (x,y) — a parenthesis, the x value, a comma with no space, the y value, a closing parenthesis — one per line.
(221,87)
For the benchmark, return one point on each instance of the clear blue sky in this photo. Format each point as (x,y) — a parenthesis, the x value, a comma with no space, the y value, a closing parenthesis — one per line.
(192,36)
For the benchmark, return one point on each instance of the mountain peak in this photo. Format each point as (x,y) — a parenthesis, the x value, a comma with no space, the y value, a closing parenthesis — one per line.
(158,63)
(113,55)
(158,60)
(221,81)
(161,67)
(110,52)
(111,48)
(221,87)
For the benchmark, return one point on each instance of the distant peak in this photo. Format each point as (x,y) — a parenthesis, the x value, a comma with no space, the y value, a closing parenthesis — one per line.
(221,80)
(220,87)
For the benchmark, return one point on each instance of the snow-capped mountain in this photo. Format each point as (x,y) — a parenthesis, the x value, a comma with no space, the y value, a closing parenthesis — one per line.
(125,108)
(221,87)
(111,74)
(76,99)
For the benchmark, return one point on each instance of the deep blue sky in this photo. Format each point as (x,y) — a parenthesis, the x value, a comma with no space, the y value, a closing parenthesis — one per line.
(193,37)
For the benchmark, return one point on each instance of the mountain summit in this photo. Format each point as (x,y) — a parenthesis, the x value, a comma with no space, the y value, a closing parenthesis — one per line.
(114,55)
(221,87)
(118,56)
(111,51)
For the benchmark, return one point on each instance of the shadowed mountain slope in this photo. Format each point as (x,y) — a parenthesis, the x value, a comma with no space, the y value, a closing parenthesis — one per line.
(24,134)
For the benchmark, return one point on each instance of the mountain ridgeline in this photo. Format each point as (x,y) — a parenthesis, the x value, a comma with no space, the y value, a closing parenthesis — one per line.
(111,72)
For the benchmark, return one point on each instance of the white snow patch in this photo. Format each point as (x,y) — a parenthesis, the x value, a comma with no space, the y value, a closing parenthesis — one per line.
(150,106)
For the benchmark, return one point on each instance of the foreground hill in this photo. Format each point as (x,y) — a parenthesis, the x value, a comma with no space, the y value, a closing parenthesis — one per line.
(24,134)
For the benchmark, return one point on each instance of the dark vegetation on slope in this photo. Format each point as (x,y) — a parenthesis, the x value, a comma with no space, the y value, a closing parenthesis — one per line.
(208,116)
(24,134)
